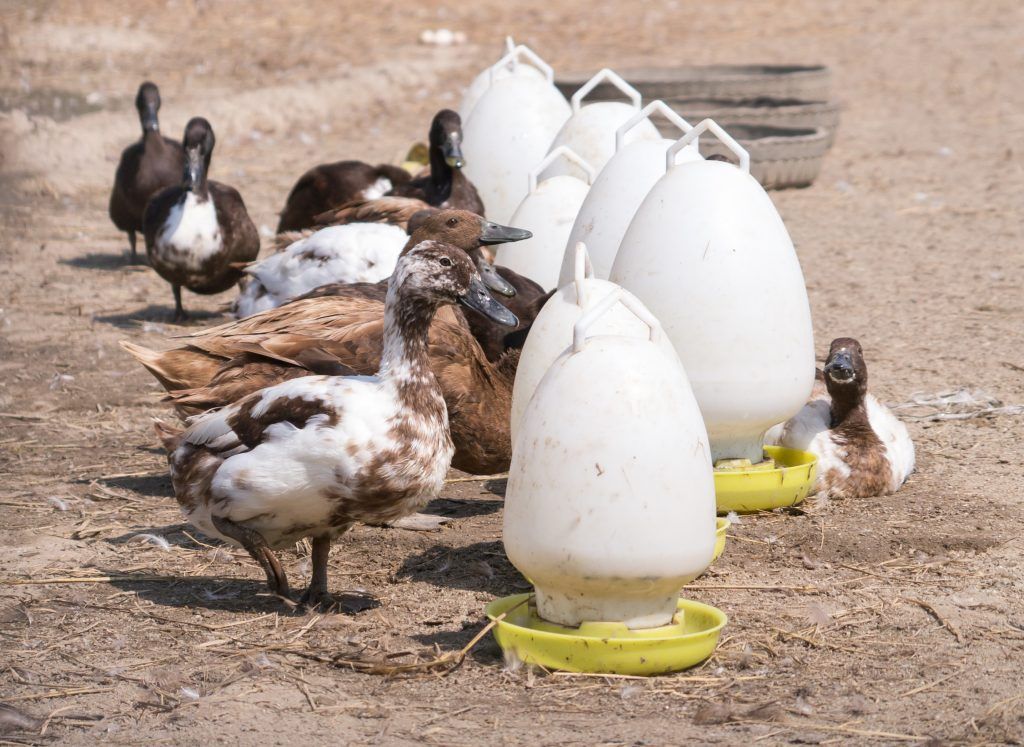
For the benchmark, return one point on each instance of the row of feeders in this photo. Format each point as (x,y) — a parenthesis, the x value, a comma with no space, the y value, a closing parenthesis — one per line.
(649,378)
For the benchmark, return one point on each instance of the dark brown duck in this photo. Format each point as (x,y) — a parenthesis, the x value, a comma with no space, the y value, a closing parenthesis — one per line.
(146,167)
(198,233)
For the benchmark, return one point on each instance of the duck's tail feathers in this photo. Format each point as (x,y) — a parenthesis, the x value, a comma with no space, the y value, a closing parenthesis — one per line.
(169,435)
(165,366)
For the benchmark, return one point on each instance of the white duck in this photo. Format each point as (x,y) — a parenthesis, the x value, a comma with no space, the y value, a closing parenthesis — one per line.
(862,448)
(367,253)
(311,456)
(352,253)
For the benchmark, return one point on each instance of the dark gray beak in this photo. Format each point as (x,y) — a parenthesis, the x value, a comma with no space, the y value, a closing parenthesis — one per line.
(452,151)
(493,233)
(150,122)
(492,279)
(840,367)
(478,299)
(194,168)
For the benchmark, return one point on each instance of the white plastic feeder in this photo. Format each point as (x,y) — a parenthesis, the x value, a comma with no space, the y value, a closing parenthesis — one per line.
(591,129)
(510,130)
(610,506)
(511,68)
(621,187)
(551,332)
(709,254)
(549,211)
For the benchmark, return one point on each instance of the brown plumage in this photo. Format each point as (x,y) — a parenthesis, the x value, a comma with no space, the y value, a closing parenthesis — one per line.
(396,211)
(331,184)
(188,244)
(332,334)
(146,167)
(328,186)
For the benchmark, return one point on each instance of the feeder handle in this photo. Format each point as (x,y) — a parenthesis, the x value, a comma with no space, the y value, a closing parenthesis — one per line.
(627,299)
(655,106)
(513,58)
(562,151)
(610,76)
(693,135)
(582,270)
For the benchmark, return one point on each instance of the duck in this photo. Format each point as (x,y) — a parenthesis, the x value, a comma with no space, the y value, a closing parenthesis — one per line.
(146,167)
(367,253)
(334,335)
(330,185)
(863,449)
(312,456)
(393,210)
(198,232)
(443,184)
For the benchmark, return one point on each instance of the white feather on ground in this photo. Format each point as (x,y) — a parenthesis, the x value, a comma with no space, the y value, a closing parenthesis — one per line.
(351,253)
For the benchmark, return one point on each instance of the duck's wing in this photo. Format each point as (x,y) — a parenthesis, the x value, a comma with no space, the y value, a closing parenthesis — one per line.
(390,209)
(894,436)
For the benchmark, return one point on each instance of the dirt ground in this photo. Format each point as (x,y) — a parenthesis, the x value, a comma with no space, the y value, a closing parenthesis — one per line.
(897,619)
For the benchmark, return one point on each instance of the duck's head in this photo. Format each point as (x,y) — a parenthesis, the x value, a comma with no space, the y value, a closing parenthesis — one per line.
(845,370)
(444,274)
(198,144)
(147,104)
(467,231)
(446,137)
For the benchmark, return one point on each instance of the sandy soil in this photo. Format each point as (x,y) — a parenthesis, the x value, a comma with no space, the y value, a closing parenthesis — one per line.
(898,619)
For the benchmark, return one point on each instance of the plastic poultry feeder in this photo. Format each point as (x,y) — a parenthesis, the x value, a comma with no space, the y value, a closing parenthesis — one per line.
(511,129)
(620,188)
(731,295)
(591,129)
(551,332)
(610,509)
(514,67)
(549,209)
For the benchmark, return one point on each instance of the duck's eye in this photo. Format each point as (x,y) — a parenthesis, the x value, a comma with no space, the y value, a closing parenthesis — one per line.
(445,262)
(453,221)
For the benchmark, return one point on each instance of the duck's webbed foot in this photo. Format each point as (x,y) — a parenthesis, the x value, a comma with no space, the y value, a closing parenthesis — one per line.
(256,546)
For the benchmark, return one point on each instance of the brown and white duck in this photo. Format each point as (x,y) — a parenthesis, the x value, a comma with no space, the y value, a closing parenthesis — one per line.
(341,334)
(863,449)
(198,233)
(331,185)
(367,253)
(312,456)
(146,167)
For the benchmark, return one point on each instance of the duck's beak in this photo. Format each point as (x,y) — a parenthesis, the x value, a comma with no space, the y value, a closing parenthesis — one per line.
(451,149)
(150,122)
(478,299)
(492,279)
(493,233)
(839,367)
(195,167)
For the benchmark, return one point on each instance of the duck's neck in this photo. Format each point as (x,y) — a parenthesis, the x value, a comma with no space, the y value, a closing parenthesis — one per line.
(441,176)
(405,360)
(848,410)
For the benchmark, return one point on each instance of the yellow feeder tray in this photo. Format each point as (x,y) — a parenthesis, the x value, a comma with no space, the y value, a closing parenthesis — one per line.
(721,527)
(607,647)
(764,487)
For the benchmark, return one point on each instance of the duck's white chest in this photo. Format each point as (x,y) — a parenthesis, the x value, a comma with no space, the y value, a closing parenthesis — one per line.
(191,233)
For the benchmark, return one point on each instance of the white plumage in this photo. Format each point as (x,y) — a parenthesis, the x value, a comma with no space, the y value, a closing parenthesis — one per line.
(191,233)
(352,253)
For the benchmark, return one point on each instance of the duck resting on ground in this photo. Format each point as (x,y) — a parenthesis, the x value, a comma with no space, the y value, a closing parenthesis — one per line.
(198,233)
(366,253)
(146,167)
(863,450)
(330,185)
(312,456)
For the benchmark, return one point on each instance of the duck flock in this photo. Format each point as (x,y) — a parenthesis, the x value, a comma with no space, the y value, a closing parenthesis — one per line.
(374,348)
